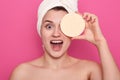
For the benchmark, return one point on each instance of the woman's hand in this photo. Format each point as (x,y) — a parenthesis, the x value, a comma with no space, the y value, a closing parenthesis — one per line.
(92,32)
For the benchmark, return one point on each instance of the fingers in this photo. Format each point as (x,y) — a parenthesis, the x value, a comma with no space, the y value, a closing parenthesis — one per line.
(90,17)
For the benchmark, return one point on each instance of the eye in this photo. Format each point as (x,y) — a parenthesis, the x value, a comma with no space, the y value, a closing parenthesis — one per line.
(49,26)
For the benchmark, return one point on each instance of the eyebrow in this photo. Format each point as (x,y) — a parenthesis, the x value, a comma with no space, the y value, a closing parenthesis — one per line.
(48,21)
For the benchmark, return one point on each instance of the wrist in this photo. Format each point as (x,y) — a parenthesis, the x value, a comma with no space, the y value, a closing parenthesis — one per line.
(101,43)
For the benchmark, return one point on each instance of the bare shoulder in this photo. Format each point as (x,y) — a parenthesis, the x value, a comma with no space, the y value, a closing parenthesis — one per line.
(87,63)
(19,72)
(93,68)
(23,70)
(91,64)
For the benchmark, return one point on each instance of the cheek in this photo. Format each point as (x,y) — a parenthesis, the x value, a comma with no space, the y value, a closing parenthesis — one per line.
(45,42)
(68,42)
(46,33)
(45,38)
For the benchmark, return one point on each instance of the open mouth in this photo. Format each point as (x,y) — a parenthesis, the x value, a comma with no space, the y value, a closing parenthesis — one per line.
(56,44)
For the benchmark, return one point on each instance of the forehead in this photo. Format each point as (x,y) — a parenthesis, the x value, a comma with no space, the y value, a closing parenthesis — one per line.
(53,14)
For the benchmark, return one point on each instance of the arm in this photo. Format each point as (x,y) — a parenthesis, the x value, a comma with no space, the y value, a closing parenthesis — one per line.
(94,35)
(108,65)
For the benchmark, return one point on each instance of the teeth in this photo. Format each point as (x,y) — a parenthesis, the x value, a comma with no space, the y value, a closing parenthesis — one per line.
(56,42)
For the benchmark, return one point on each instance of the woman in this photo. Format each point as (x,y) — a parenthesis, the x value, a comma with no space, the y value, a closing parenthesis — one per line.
(56,64)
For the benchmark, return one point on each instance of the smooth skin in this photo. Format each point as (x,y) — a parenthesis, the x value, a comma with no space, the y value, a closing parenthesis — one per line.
(56,64)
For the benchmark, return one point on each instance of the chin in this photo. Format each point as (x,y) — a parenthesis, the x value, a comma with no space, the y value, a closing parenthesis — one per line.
(56,55)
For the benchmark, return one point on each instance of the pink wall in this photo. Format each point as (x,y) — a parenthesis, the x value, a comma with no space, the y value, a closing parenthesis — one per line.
(20,42)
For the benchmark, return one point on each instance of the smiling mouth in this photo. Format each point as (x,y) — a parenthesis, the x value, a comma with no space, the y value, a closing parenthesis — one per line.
(56,44)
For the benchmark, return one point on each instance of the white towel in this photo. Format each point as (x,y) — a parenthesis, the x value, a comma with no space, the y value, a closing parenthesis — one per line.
(69,5)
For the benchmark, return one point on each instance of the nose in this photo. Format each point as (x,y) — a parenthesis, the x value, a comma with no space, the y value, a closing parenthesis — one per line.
(57,32)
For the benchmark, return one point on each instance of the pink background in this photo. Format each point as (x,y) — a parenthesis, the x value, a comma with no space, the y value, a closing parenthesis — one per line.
(19,41)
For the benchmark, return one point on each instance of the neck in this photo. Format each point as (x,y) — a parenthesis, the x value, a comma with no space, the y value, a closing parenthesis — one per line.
(56,63)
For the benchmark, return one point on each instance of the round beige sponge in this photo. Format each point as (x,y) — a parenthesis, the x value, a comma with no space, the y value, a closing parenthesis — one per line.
(72,24)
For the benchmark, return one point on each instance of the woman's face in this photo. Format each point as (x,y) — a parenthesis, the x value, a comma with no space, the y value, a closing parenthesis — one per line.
(54,41)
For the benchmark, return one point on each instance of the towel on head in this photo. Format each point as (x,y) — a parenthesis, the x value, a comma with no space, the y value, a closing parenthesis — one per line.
(69,5)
